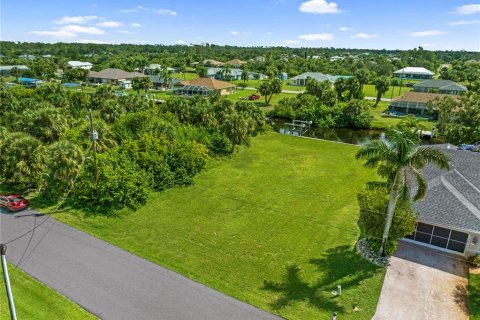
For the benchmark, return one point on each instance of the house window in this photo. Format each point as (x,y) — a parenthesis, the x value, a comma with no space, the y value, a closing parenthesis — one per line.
(440,237)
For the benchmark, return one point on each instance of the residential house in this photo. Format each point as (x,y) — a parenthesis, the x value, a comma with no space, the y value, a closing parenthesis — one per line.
(450,213)
(112,76)
(27,56)
(301,79)
(414,102)
(439,86)
(413,73)
(79,65)
(125,84)
(203,87)
(29,82)
(283,76)
(236,63)
(234,74)
(158,81)
(212,63)
(7,70)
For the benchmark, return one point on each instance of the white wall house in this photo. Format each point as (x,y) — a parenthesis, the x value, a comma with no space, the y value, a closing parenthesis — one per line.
(79,64)
(413,73)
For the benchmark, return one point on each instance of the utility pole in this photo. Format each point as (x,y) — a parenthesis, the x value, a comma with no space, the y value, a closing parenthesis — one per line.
(94,141)
(3,250)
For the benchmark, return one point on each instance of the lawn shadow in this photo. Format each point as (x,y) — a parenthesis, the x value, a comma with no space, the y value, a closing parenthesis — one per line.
(338,266)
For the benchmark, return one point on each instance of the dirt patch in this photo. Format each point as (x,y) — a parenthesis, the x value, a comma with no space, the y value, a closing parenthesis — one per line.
(475,271)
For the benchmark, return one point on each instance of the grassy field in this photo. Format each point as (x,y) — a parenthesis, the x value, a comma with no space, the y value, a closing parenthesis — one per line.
(474,296)
(369,91)
(275,226)
(34,300)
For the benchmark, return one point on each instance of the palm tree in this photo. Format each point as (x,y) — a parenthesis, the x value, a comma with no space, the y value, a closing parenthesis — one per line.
(362,75)
(227,72)
(65,161)
(381,86)
(400,160)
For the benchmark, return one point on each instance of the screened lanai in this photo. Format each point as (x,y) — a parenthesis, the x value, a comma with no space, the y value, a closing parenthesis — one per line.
(192,90)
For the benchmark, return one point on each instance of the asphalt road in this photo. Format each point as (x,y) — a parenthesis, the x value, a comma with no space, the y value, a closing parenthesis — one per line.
(108,281)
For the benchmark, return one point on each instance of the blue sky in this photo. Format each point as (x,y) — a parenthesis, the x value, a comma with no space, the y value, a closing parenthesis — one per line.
(376,24)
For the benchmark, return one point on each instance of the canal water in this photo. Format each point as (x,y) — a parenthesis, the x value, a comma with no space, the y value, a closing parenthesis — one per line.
(352,136)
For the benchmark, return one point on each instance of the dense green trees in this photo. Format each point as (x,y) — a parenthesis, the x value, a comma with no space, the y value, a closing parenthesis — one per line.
(458,119)
(381,86)
(45,142)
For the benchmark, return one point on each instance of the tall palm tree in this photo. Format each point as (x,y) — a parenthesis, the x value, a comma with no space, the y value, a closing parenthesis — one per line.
(227,72)
(65,161)
(381,86)
(400,160)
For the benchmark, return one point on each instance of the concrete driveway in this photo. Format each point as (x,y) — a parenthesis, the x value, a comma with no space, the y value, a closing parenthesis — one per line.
(422,284)
(108,281)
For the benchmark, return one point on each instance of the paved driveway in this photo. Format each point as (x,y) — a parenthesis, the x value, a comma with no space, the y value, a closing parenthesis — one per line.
(108,281)
(423,284)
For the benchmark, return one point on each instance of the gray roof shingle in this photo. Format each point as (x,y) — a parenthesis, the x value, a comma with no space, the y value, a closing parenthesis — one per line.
(453,197)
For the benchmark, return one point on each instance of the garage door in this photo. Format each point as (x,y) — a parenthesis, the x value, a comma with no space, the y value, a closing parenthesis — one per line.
(440,237)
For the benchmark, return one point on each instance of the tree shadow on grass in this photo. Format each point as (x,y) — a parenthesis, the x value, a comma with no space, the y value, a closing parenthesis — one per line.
(338,266)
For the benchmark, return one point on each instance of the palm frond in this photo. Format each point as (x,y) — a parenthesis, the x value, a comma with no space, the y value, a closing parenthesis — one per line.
(425,155)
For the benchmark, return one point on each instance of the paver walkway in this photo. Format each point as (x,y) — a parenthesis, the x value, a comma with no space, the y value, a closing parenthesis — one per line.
(423,284)
(108,281)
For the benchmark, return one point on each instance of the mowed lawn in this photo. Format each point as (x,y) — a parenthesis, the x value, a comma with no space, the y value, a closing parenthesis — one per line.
(34,300)
(369,91)
(474,296)
(274,226)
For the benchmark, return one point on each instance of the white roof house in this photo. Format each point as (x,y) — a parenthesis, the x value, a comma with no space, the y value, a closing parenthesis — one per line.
(418,73)
(79,64)
(301,79)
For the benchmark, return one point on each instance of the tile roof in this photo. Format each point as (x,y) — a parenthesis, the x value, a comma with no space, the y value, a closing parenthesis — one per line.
(208,82)
(453,197)
(236,62)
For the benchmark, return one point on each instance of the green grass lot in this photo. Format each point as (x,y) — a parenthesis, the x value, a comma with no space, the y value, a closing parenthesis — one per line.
(275,226)
(188,75)
(34,300)
(381,122)
(369,91)
(474,296)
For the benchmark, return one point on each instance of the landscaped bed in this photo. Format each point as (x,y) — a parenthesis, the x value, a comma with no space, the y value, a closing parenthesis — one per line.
(275,225)
(34,300)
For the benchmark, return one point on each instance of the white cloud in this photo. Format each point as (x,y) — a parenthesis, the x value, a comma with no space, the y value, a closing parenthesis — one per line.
(136,9)
(242,32)
(292,41)
(363,35)
(425,33)
(110,24)
(346,29)
(81,29)
(268,33)
(167,12)
(234,33)
(136,25)
(61,34)
(316,36)
(125,32)
(463,22)
(76,19)
(181,42)
(319,6)
(467,9)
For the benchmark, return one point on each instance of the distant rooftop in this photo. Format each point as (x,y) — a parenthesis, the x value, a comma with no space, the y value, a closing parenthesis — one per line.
(414,70)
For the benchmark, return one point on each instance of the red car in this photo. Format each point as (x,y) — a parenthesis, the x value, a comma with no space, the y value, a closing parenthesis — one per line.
(254,97)
(14,202)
